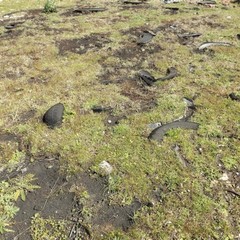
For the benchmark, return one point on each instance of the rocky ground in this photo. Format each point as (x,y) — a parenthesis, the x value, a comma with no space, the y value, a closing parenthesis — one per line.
(145,141)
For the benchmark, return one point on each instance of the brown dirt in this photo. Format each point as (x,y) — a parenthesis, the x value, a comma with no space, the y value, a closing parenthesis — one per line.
(142,97)
(82,45)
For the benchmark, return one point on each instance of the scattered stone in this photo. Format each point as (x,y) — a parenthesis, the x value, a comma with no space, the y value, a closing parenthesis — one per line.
(189,35)
(171,1)
(224,177)
(146,77)
(172,10)
(207,2)
(98,109)
(13,25)
(106,167)
(113,120)
(158,133)
(191,68)
(89,10)
(133,2)
(149,79)
(54,115)
(15,15)
(145,37)
(154,125)
(234,97)
(205,45)
(190,108)
(180,156)
(170,74)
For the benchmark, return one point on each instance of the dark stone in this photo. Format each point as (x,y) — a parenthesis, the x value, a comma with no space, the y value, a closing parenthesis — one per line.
(89,10)
(98,109)
(54,115)
(146,77)
(234,97)
(171,73)
(238,36)
(158,133)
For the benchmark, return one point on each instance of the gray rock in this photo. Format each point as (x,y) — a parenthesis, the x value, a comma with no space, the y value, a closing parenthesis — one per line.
(105,167)
(54,115)
(145,37)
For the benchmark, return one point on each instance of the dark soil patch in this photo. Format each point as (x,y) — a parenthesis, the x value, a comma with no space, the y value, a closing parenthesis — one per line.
(105,217)
(138,93)
(51,200)
(27,115)
(8,137)
(38,80)
(115,217)
(83,11)
(55,199)
(113,120)
(136,53)
(14,75)
(11,34)
(133,55)
(82,45)
(135,6)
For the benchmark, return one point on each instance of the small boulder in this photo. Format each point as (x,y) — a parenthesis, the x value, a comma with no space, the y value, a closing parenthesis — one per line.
(54,115)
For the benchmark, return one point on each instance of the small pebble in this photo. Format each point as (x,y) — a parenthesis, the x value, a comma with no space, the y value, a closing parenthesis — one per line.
(224,177)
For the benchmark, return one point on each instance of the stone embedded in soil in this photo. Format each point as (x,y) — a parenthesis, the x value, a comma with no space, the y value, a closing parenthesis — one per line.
(170,74)
(146,77)
(54,115)
(145,37)
(106,167)
(205,45)
(113,120)
(133,2)
(98,109)
(234,97)
(89,10)
(158,133)
(224,177)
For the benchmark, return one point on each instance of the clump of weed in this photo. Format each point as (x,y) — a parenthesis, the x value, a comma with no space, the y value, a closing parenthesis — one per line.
(50,6)
(48,228)
(10,191)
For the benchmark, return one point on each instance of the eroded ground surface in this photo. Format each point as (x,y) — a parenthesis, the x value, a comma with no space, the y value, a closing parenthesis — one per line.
(88,57)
